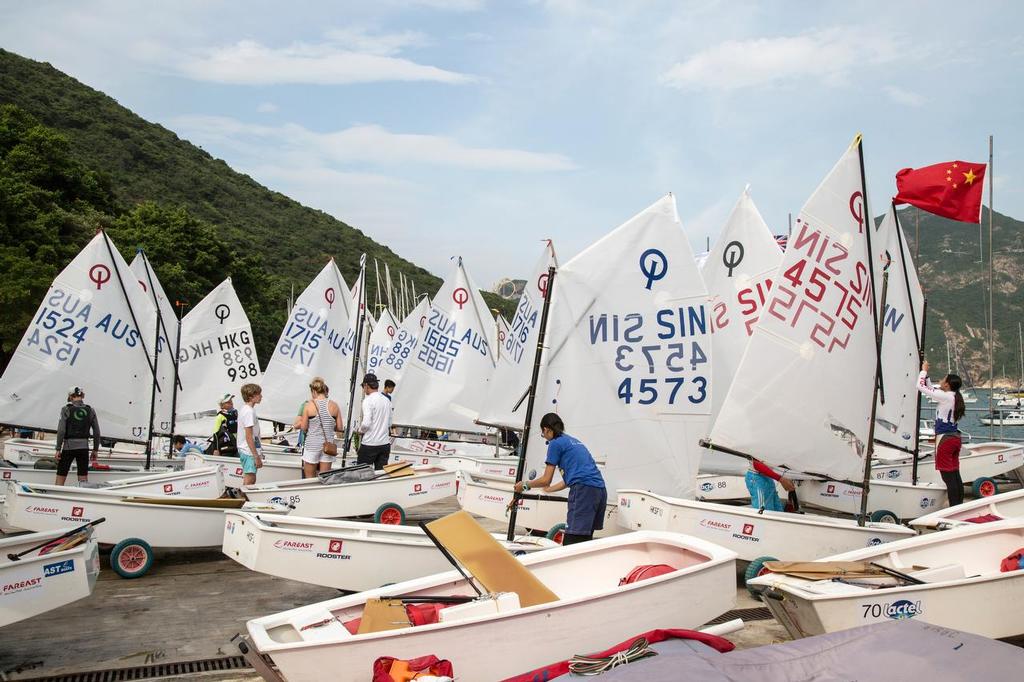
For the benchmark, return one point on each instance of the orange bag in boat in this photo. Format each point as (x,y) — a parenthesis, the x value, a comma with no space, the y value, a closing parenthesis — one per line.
(388,669)
(1014,562)
(645,572)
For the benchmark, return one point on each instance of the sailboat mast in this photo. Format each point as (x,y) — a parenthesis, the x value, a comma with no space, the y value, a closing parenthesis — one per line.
(531,396)
(177,359)
(878,325)
(357,342)
(135,321)
(917,422)
(1020,338)
(156,354)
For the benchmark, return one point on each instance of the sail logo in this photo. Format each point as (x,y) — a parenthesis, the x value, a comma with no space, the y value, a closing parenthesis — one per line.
(66,566)
(333,551)
(901,609)
(653,266)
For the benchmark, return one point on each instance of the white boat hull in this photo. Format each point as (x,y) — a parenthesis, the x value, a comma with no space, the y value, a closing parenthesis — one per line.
(28,474)
(592,611)
(346,555)
(1003,506)
(39,583)
(318,500)
(452,448)
(168,526)
(489,497)
(750,533)
(987,603)
(492,466)
(718,487)
(273,469)
(904,500)
(976,461)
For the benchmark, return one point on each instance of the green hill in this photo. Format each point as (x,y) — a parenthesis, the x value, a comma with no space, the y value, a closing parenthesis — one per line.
(956,285)
(73,159)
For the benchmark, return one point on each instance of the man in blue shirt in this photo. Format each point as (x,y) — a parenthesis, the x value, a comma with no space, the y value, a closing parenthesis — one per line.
(588,497)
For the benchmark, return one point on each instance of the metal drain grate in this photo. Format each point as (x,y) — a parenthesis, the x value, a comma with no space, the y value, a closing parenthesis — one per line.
(757,613)
(148,672)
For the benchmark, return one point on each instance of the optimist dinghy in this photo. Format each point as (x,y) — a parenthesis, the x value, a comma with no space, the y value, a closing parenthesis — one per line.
(573,598)
(273,469)
(204,482)
(492,466)
(386,494)
(490,496)
(40,572)
(888,501)
(980,463)
(29,474)
(347,555)
(134,524)
(983,510)
(754,535)
(950,579)
(451,448)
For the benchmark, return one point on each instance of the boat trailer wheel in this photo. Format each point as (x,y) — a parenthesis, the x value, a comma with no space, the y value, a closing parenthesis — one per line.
(131,558)
(389,513)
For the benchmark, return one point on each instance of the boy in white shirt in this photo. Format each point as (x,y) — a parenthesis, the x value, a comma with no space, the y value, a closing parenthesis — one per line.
(375,427)
(250,450)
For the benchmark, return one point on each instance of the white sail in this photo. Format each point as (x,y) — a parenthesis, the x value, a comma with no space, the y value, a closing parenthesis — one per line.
(398,354)
(85,334)
(505,405)
(382,340)
(896,422)
(802,394)
(217,357)
(628,359)
(501,334)
(167,339)
(738,273)
(315,342)
(445,382)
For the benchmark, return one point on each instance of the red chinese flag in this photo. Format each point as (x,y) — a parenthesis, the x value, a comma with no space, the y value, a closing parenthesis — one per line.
(951,190)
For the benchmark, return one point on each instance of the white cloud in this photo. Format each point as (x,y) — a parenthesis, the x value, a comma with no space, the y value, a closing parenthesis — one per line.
(358,39)
(267,108)
(904,97)
(828,56)
(364,144)
(248,62)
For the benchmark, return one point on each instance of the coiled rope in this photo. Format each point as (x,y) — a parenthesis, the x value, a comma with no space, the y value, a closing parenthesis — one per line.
(587,665)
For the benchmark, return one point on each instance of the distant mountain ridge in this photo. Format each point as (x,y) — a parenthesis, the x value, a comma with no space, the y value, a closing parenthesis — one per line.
(138,161)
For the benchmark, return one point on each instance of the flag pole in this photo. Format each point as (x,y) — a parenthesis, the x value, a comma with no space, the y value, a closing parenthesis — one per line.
(991,293)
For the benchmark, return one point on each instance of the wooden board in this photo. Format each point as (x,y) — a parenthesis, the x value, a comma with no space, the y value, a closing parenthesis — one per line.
(487,561)
(383,614)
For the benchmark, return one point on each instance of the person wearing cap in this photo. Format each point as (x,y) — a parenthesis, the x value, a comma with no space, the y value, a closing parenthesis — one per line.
(225,428)
(375,427)
(77,420)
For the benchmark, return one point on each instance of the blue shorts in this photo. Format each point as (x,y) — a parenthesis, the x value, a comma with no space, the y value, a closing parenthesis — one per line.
(763,493)
(586,509)
(248,462)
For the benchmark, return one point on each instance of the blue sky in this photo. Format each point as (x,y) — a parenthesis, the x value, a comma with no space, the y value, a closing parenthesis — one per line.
(478,128)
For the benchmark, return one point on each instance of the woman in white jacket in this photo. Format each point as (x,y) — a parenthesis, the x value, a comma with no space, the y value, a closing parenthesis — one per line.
(949,409)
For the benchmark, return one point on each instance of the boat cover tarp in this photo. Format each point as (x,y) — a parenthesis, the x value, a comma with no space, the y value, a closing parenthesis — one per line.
(880,652)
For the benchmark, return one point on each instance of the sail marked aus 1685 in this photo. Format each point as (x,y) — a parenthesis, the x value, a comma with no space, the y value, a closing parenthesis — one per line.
(443,341)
